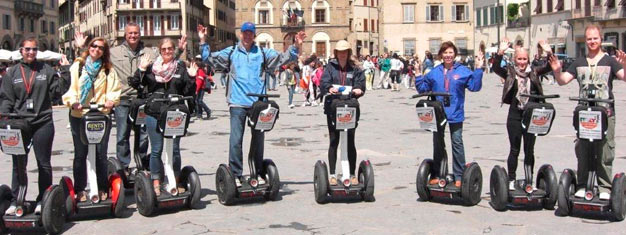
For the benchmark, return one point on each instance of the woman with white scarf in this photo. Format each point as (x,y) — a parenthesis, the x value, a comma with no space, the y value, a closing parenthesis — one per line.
(165,76)
(520,79)
(93,81)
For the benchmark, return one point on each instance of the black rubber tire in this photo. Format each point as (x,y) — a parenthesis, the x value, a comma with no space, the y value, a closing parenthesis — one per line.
(5,202)
(120,206)
(366,177)
(144,194)
(195,188)
(225,185)
(472,184)
(320,182)
(272,178)
(618,197)
(69,200)
(546,180)
(567,182)
(499,190)
(53,211)
(421,180)
(115,166)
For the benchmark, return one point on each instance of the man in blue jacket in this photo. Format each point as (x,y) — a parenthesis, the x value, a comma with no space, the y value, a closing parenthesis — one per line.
(453,78)
(244,63)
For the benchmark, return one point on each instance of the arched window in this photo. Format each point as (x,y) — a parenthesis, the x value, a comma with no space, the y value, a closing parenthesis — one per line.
(265,40)
(263,13)
(292,12)
(320,12)
(321,45)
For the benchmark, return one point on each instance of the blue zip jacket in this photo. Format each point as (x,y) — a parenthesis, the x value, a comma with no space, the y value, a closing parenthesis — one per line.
(245,69)
(460,77)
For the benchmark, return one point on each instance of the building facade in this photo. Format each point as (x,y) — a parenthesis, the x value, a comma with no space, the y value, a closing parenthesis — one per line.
(496,19)
(364,30)
(411,27)
(21,19)
(609,14)
(549,23)
(222,23)
(325,22)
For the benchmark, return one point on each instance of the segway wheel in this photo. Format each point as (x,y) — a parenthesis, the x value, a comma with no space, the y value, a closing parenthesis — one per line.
(421,180)
(618,197)
(52,211)
(225,185)
(192,182)
(366,177)
(69,195)
(273,178)
(117,193)
(498,185)
(144,194)
(320,182)
(546,180)
(5,202)
(115,166)
(567,187)
(472,184)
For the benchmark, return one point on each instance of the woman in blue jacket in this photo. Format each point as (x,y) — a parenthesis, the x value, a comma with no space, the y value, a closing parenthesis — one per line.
(453,78)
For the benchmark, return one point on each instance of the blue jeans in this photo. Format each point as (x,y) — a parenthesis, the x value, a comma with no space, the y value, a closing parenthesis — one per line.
(272,81)
(156,140)
(238,117)
(123,127)
(291,89)
(458,152)
(201,106)
(222,79)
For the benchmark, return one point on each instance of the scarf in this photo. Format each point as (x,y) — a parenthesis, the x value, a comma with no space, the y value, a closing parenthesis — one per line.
(88,77)
(163,71)
(523,86)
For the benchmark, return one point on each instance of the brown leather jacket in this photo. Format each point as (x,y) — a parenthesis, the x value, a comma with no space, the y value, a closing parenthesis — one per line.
(508,73)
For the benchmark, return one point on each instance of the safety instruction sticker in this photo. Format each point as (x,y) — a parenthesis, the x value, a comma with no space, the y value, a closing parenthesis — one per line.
(590,125)
(346,118)
(266,119)
(12,143)
(175,123)
(426,118)
(540,121)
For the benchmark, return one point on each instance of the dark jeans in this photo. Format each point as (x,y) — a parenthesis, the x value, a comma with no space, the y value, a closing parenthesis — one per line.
(395,76)
(334,135)
(156,164)
(42,144)
(80,159)
(201,106)
(123,126)
(238,117)
(458,152)
(516,133)
(603,164)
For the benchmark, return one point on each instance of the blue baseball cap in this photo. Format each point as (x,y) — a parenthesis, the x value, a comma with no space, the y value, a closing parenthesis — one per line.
(248,26)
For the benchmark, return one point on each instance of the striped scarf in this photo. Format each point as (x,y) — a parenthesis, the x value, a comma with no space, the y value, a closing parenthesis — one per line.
(88,77)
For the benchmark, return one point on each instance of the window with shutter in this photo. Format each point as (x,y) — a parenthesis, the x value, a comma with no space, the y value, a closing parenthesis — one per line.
(453,11)
(373,27)
(478,18)
(441,13)
(467,12)
(364,25)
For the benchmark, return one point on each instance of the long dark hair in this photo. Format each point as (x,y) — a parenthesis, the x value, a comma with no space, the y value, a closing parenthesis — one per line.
(106,55)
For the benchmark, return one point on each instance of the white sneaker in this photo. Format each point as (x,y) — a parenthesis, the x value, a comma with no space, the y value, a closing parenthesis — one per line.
(605,196)
(291,106)
(511,185)
(10,210)
(580,193)
(315,104)
(38,209)
(261,180)
(237,182)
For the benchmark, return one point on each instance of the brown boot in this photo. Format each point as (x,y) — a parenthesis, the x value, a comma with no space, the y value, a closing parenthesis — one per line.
(457,183)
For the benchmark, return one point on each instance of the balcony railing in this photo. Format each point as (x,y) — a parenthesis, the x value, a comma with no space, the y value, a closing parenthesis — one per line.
(292,26)
(519,23)
(32,9)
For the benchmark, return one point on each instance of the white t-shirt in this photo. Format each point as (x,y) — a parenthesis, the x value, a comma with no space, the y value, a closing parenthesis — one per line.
(396,64)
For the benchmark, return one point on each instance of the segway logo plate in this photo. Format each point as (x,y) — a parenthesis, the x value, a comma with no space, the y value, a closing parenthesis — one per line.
(541,121)
(141,116)
(94,130)
(426,118)
(11,141)
(346,118)
(590,125)
(266,119)
(20,224)
(175,123)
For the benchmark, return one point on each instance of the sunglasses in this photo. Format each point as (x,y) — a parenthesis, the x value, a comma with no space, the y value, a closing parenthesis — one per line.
(30,48)
(167,49)
(96,46)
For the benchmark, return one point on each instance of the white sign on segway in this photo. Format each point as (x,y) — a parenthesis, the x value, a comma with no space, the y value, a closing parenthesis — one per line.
(540,121)
(426,118)
(266,119)
(175,123)
(141,116)
(590,125)
(12,143)
(346,118)
(95,131)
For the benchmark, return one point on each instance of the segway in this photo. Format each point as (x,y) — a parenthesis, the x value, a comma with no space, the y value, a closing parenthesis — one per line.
(591,124)
(94,126)
(432,117)
(537,119)
(14,134)
(261,117)
(346,115)
(137,118)
(172,123)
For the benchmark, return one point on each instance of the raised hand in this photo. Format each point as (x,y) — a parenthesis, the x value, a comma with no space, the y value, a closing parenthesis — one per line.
(300,38)
(201,31)
(182,43)
(545,47)
(64,60)
(144,62)
(621,57)
(555,64)
(192,70)
(504,44)
(80,39)
(480,60)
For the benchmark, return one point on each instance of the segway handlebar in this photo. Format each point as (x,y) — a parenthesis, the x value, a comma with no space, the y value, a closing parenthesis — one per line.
(93,106)
(591,100)
(17,115)
(431,94)
(541,96)
(263,95)
(173,99)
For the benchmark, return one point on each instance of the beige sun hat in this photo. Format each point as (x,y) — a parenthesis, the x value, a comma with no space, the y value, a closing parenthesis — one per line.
(342,45)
